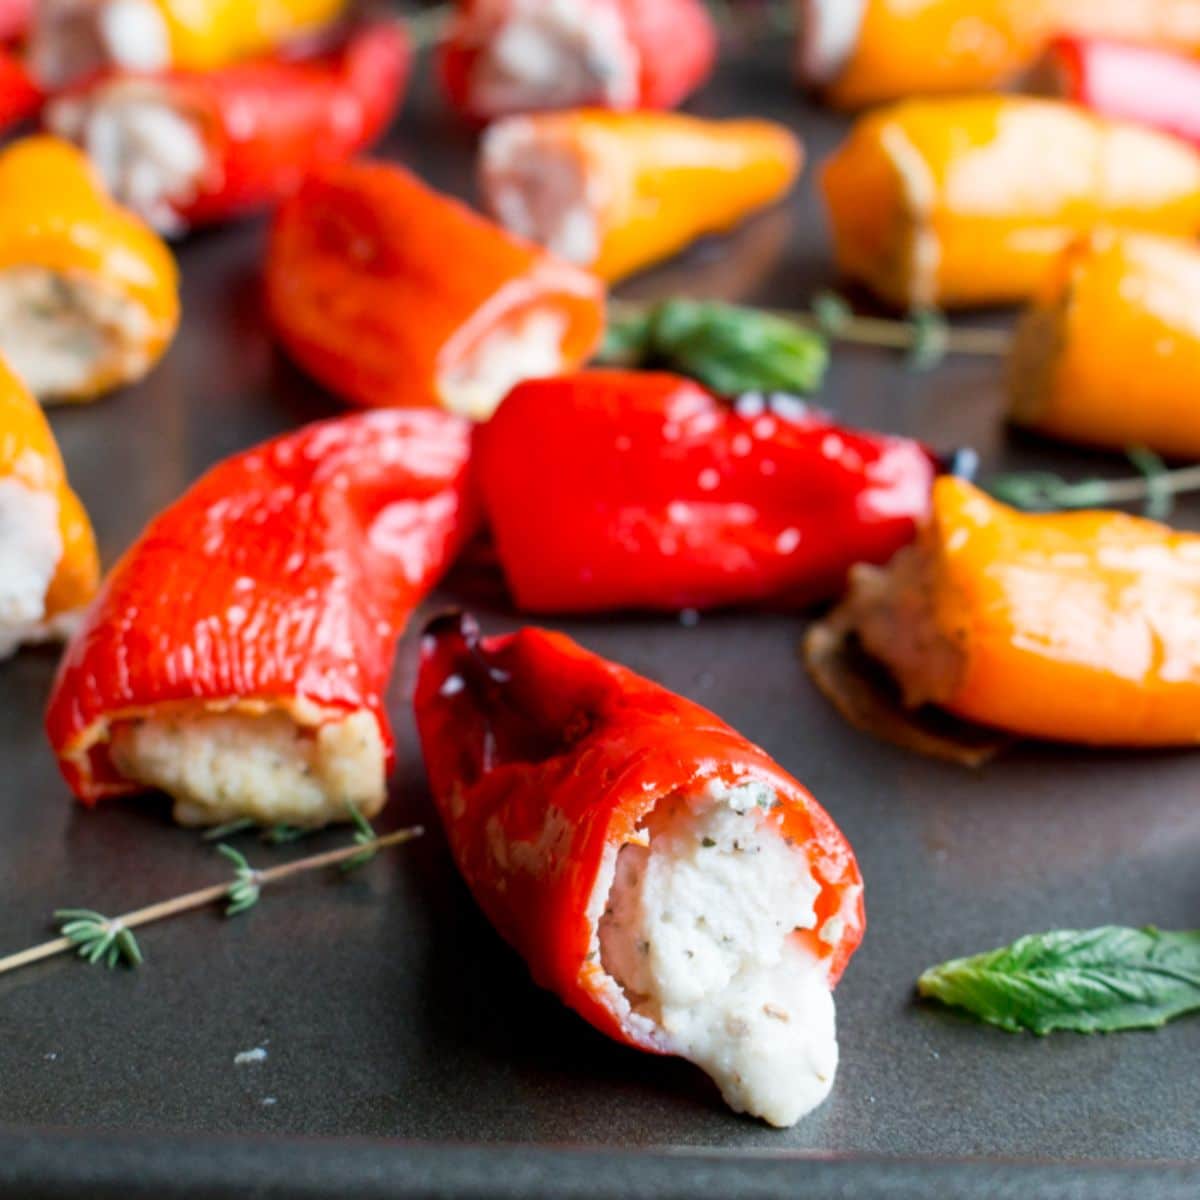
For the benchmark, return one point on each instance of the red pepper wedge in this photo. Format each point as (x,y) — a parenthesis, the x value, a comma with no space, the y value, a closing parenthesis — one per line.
(545,761)
(1130,82)
(249,133)
(502,57)
(276,587)
(611,490)
(391,293)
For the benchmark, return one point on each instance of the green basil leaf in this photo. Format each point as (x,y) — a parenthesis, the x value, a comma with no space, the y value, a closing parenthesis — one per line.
(1088,981)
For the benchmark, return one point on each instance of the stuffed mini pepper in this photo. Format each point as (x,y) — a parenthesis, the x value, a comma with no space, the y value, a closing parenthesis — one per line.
(48,564)
(238,654)
(1109,353)
(661,875)
(501,57)
(192,147)
(1076,627)
(88,294)
(617,192)
(960,202)
(611,490)
(72,39)
(390,293)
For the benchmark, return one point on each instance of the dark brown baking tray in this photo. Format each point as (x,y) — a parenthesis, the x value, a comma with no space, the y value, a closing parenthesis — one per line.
(407,1052)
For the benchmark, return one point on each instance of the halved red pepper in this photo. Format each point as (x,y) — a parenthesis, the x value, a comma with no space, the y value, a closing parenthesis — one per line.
(510,56)
(259,614)
(609,490)
(1131,82)
(193,147)
(555,772)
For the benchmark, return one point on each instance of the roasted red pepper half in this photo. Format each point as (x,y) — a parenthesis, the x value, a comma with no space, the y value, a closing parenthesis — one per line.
(193,147)
(663,876)
(238,654)
(612,490)
(1131,82)
(512,56)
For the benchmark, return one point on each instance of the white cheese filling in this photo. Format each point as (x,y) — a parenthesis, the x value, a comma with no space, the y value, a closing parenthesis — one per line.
(74,38)
(30,549)
(551,54)
(150,155)
(528,348)
(540,189)
(60,332)
(829,33)
(220,767)
(697,932)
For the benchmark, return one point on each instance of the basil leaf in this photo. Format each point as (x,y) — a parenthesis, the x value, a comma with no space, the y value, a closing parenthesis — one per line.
(1089,981)
(729,349)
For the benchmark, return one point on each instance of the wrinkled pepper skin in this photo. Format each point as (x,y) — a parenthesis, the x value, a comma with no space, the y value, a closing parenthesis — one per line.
(70,39)
(653,54)
(613,490)
(544,758)
(951,203)
(265,124)
(1109,353)
(280,581)
(381,287)
(660,180)
(29,456)
(1077,627)
(864,52)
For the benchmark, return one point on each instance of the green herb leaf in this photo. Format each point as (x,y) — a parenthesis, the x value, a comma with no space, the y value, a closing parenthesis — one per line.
(1159,498)
(727,348)
(218,833)
(99,938)
(246,887)
(1089,981)
(363,835)
(282,835)
(1043,491)
(931,340)
(832,313)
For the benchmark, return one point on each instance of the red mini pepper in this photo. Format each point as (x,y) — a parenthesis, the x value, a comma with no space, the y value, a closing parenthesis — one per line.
(509,56)
(546,762)
(1131,82)
(610,490)
(275,588)
(20,97)
(192,147)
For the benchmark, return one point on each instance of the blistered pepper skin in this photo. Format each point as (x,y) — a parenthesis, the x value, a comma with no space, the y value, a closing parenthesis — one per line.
(543,759)
(268,122)
(30,456)
(665,179)
(1109,353)
(950,202)
(614,490)
(280,580)
(379,286)
(671,47)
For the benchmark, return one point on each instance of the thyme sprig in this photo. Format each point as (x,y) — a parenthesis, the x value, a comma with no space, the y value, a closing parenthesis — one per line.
(109,940)
(364,837)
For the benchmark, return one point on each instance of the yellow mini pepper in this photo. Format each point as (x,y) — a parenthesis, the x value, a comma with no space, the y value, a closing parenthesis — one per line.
(962,202)
(88,293)
(617,192)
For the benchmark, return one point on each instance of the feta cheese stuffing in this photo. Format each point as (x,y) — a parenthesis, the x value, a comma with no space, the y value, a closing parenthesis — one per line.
(30,549)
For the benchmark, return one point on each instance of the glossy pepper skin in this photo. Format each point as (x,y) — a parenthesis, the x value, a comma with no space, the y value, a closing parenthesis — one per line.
(279,582)
(648,54)
(29,456)
(614,490)
(1078,627)
(1109,352)
(382,288)
(950,202)
(264,124)
(659,180)
(20,96)
(543,759)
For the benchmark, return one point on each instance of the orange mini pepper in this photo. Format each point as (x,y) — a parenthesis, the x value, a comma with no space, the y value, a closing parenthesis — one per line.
(88,293)
(72,38)
(961,202)
(391,293)
(48,564)
(1079,627)
(1109,354)
(617,192)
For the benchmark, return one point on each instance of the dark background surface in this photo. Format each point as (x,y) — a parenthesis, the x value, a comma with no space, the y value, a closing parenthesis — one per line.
(391,1013)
